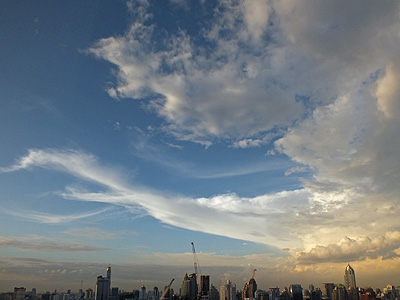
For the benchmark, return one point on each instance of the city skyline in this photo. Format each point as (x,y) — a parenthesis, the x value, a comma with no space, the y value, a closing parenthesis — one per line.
(266,132)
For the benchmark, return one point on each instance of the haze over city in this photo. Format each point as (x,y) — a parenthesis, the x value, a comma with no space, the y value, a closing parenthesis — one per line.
(267,132)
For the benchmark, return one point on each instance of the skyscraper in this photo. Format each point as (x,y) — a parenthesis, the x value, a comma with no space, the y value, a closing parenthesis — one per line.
(102,288)
(349,278)
(227,291)
(296,292)
(204,284)
(109,280)
(328,289)
(249,289)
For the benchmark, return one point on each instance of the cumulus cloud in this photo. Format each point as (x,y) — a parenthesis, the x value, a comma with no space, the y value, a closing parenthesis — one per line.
(324,89)
(348,249)
(325,86)
(202,93)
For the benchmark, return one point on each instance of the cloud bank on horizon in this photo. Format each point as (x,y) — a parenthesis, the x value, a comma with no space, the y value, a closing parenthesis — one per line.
(324,90)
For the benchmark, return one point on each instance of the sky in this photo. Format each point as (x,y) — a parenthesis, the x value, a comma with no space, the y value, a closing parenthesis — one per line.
(266,132)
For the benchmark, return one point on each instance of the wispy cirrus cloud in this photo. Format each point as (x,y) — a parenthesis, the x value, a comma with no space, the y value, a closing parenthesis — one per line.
(47,218)
(170,208)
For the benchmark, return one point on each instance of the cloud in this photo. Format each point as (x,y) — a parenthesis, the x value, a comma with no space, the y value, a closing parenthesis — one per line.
(43,244)
(295,170)
(47,218)
(323,89)
(91,232)
(300,218)
(204,93)
(231,215)
(348,249)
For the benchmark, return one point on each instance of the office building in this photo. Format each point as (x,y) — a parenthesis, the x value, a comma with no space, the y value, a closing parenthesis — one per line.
(296,292)
(328,290)
(339,292)
(102,288)
(227,291)
(249,289)
(349,278)
(19,293)
(204,284)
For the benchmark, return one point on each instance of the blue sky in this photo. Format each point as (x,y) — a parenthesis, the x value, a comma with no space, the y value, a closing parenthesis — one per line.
(267,132)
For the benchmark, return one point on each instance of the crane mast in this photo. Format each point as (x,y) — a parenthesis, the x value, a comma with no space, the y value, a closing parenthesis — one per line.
(195,261)
(166,290)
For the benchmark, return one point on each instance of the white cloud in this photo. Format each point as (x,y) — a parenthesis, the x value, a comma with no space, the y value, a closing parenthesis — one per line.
(261,212)
(47,218)
(223,93)
(329,79)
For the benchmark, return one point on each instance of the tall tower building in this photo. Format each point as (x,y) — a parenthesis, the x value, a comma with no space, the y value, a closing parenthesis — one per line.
(19,293)
(339,293)
(274,293)
(142,295)
(349,278)
(204,284)
(109,280)
(250,289)
(193,286)
(102,288)
(185,288)
(227,291)
(296,292)
(328,289)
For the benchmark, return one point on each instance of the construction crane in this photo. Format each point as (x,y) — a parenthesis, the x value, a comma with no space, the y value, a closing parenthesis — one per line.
(251,294)
(166,290)
(195,261)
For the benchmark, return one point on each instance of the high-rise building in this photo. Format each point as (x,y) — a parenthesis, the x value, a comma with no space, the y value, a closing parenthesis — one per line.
(349,278)
(89,294)
(328,290)
(102,288)
(114,293)
(339,293)
(193,286)
(274,293)
(227,291)
(19,293)
(185,288)
(296,292)
(213,294)
(204,284)
(249,289)
(189,287)
(316,294)
(142,294)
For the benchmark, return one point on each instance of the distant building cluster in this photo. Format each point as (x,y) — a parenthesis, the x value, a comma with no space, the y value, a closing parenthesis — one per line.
(193,289)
